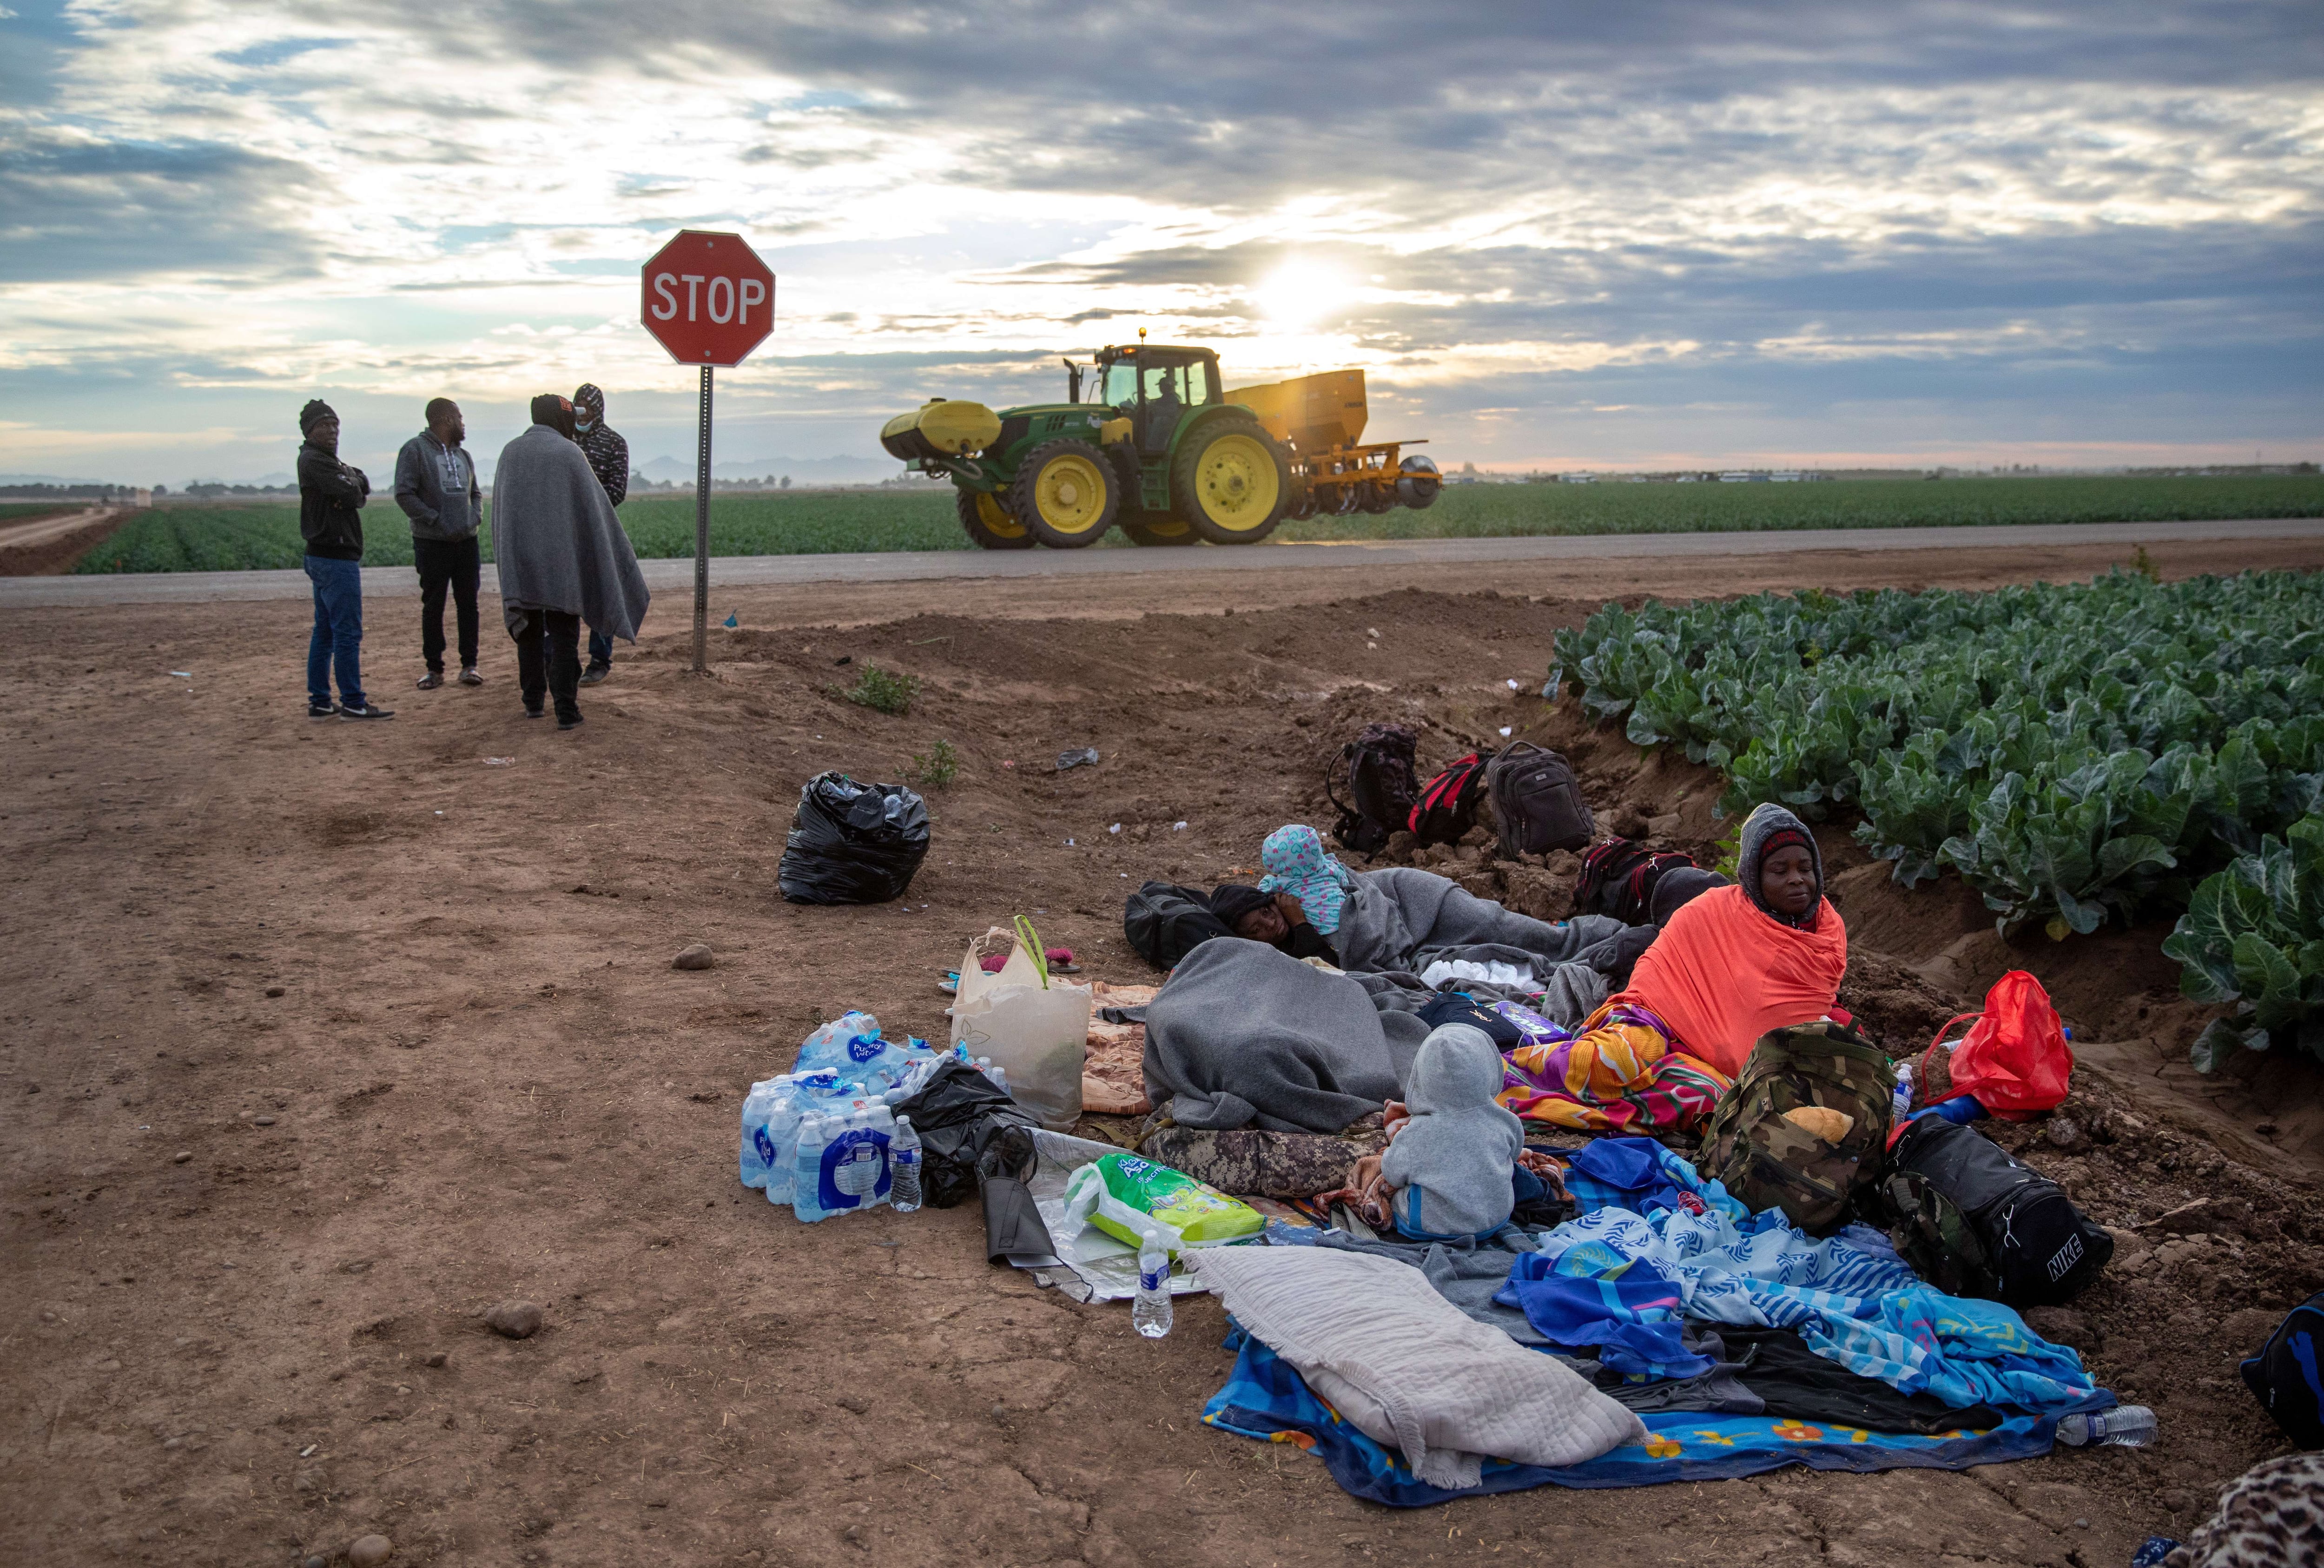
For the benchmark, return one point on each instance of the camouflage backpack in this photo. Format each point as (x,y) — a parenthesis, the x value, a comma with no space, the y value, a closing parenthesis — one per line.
(1775,1141)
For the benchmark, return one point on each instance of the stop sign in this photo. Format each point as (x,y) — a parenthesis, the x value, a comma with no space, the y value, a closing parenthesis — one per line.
(708,297)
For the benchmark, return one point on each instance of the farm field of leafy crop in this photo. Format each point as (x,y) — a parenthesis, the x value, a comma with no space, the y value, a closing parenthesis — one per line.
(2076,752)
(172,538)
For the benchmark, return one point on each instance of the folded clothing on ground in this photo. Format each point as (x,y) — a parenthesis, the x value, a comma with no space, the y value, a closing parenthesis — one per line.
(1407,1367)
(1848,1294)
(1267,1398)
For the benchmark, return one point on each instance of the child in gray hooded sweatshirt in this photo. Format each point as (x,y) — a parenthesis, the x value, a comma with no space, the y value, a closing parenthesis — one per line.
(1453,1160)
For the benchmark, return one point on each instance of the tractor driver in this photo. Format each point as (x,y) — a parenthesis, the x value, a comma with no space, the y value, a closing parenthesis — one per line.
(1167,404)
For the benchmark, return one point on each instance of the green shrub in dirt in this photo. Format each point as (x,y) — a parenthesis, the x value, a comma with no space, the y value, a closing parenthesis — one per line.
(935,769)
(2073,751)
(883,691)
(2253,935)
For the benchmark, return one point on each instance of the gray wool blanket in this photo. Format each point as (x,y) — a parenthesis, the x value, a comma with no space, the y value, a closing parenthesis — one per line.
(556,541)
(1402,919)
(1241,1034)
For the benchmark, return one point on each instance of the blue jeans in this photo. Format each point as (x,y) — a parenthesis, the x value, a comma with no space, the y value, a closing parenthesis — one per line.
(601,648)
(338,631)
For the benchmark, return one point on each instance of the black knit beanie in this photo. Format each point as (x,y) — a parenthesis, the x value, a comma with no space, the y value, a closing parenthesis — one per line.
(316,410)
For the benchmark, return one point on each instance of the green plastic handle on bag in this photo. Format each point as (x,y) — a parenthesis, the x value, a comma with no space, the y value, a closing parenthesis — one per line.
(1032,939)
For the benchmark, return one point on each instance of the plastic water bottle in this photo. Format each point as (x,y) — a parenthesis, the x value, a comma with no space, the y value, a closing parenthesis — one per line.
(1149,1314)
(2123,1427)
(757,1148)
(859,1172)
(1904,1098)
(807,1178)
(904,1156)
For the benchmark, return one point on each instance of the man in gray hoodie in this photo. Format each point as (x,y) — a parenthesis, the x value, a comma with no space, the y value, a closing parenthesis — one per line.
(436,486)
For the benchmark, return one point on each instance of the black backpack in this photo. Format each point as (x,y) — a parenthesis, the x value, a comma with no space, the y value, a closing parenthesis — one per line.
(1165,923)
(2287,1376)
(1537,805)
(1618,878)
(1381,783)
(1971,1219)
(1458,1007)
(1447,804)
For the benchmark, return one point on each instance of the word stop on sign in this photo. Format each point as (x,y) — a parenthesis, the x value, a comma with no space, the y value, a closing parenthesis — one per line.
(724,300)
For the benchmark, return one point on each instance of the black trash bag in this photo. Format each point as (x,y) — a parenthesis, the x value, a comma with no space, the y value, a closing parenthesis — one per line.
(959,1114)
(852,844)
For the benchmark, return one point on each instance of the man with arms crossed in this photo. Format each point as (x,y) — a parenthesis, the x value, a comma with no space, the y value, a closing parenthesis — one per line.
(331,494)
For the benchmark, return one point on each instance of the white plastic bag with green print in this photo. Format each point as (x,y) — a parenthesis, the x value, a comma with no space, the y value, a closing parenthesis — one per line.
(1126,1197)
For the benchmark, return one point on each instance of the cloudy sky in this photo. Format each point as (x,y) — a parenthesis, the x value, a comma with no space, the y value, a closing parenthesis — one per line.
(1560,234)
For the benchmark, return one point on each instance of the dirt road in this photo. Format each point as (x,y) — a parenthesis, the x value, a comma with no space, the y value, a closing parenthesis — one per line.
(323,1038)
(41,546)
(1353,566)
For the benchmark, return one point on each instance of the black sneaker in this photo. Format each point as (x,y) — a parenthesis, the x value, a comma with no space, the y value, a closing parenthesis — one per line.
(370,710)
(431,680)
(596,673)
(535,711)
(568,721)
(320,710)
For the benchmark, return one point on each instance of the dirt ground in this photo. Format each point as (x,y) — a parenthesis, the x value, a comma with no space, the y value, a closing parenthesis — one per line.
(322,1039)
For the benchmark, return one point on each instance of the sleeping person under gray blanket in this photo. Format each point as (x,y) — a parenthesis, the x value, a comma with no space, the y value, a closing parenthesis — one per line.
(1242,1035)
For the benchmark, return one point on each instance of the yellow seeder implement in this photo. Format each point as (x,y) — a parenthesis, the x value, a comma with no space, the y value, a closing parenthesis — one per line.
(1320,418)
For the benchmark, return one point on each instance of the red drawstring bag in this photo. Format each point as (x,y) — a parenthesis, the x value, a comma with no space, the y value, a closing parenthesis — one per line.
(2015,1059)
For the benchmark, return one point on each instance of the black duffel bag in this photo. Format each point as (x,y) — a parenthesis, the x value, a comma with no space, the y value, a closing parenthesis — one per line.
(1165,923)
(852,844)
(1972,1220)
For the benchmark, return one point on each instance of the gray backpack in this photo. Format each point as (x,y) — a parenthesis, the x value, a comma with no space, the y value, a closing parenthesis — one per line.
(1537,805)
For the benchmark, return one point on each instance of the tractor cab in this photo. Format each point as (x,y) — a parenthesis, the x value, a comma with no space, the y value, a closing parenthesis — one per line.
(1154,386)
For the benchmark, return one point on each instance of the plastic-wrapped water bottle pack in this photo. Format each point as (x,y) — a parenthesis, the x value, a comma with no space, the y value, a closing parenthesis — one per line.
(820,1136)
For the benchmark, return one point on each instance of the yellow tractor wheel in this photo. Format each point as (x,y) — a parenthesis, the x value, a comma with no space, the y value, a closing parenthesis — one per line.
(988,522)
(1066,493)
(1230,482)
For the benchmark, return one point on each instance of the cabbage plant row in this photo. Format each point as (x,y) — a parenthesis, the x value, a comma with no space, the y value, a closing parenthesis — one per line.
(2075,752)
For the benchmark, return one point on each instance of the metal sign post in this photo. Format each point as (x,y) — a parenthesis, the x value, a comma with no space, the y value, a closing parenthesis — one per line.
(710,300)
(702,536)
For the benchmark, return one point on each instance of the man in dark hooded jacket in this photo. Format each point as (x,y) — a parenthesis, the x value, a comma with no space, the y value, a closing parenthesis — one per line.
(331,496)
(609,460)
(562,559)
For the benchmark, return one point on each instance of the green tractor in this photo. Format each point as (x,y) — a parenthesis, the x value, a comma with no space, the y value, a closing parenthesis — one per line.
(1160,451)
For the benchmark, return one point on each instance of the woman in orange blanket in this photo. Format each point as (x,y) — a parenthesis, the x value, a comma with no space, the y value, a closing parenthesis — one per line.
(1729,965)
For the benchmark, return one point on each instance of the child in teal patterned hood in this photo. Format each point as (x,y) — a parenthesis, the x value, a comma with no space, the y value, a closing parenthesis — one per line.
(1297,865)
